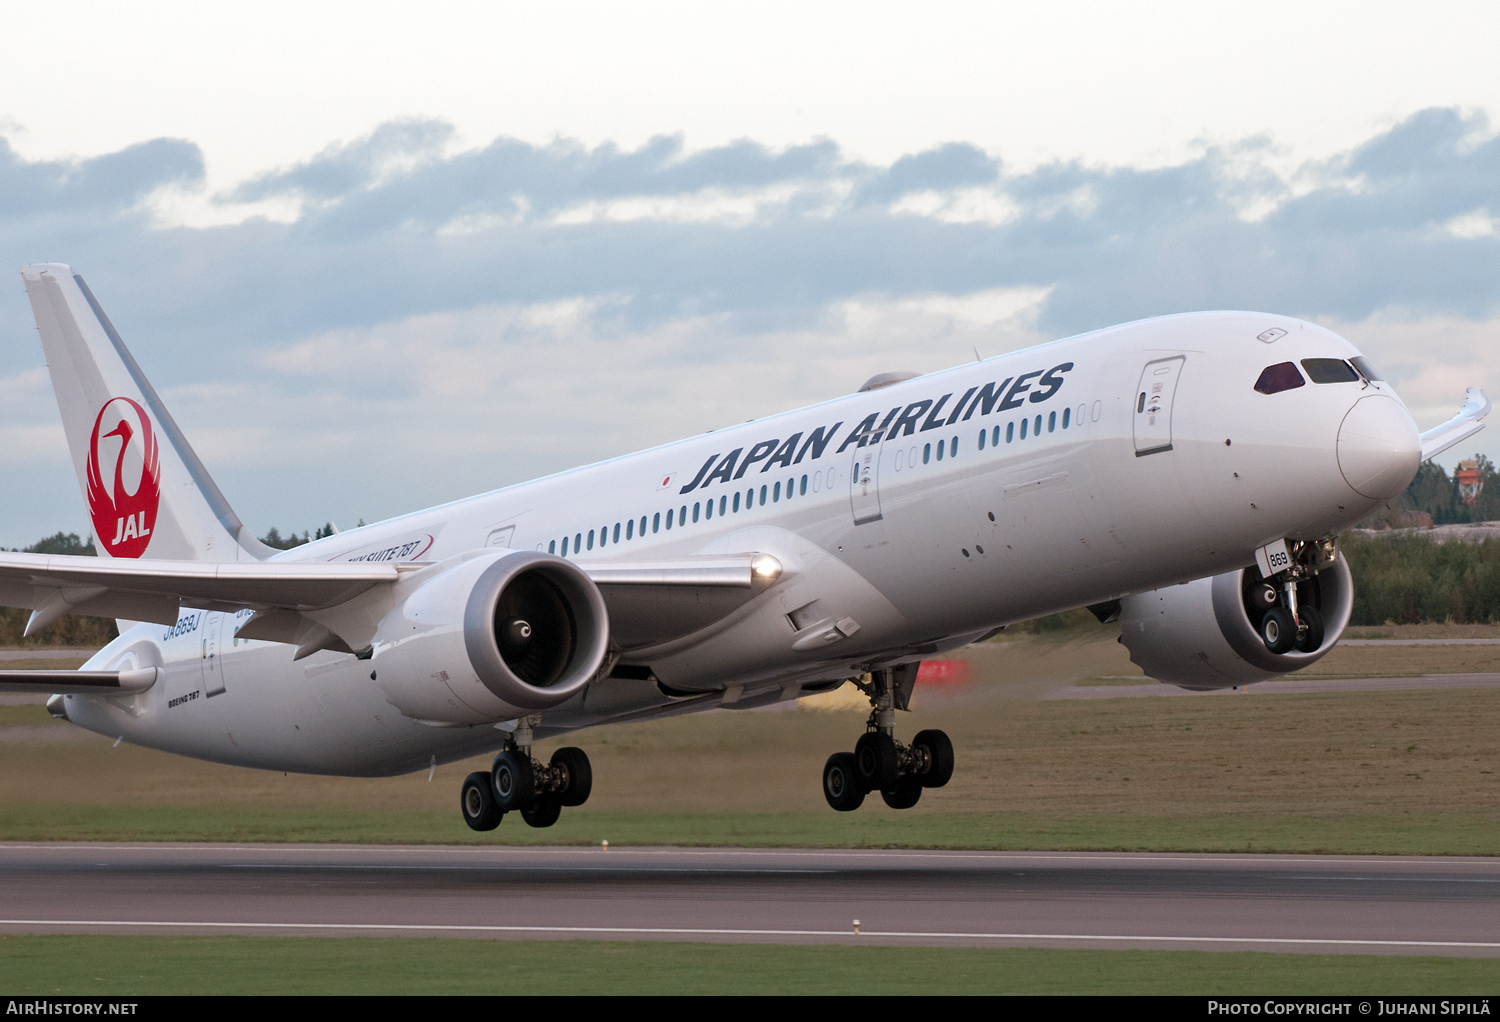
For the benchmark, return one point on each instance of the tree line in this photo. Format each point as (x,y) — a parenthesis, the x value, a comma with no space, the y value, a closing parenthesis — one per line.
(1432,499)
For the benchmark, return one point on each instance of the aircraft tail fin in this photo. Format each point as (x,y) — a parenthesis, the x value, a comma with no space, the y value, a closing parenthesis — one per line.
(147,493)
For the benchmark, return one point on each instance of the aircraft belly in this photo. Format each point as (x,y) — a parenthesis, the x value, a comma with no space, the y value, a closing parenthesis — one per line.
(320,716)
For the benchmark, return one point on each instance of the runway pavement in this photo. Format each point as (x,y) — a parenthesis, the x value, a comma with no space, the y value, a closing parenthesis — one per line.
(1281,686)
(1322,904)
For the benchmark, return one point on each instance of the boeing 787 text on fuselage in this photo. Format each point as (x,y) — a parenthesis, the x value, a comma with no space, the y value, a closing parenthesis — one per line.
(1187,474)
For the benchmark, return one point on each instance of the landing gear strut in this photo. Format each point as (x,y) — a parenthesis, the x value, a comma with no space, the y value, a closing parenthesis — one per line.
(881,763)
(519,783)
(1285,601)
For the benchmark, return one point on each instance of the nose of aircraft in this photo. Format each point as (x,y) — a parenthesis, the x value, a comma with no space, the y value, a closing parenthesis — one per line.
(1379,449)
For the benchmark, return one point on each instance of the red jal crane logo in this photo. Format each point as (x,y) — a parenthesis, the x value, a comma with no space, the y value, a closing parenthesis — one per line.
(128,517)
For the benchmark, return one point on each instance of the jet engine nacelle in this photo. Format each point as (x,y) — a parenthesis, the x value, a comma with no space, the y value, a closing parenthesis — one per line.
(1204,634)
(492,638)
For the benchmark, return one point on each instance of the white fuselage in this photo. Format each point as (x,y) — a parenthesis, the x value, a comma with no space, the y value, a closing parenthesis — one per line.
(952,524)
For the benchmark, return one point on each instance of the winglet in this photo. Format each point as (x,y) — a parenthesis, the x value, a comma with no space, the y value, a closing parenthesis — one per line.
(1465,424)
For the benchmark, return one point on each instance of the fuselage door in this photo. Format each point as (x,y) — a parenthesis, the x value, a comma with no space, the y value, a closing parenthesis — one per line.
(864,483)
(1153,405)
(213,662)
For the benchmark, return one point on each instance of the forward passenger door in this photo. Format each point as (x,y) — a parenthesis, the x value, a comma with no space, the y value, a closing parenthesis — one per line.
(1153,405)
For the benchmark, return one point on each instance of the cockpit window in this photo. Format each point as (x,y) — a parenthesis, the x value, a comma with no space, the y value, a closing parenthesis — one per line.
(1281,376)
(1330,370)
(1363,365)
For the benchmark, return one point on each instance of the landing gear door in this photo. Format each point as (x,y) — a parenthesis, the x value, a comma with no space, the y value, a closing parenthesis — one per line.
(213,661)
(1153,405)
(864,483)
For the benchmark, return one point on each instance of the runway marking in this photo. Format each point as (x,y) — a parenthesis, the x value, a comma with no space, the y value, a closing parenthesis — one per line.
(1406,880)
(706,932)
(1202,858)
(623,867)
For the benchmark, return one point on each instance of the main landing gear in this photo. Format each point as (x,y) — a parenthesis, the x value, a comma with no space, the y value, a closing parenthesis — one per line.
(879,762)
(519,783)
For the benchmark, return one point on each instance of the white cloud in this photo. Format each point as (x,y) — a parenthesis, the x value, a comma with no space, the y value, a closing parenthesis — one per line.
(1476,224)
(39,444)
(177,206)
(961,206)
(729,207)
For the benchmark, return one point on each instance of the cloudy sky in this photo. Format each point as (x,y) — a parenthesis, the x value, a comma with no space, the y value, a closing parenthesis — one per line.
(381,256)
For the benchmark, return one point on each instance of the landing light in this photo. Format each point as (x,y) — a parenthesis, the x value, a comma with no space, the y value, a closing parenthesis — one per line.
(765,567)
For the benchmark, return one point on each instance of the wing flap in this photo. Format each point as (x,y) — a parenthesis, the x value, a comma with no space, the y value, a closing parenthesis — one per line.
(651,602)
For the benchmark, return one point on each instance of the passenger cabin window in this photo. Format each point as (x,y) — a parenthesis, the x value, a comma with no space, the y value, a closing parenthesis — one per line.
(552,547)
(1363,365)
(1329,370)
(1281,376)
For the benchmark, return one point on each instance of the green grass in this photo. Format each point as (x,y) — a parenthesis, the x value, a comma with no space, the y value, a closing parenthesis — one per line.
(1397,834)
(124,965)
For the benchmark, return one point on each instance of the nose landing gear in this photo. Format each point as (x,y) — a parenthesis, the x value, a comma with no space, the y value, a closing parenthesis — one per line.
(1289,618)
(518,783)
(881,763)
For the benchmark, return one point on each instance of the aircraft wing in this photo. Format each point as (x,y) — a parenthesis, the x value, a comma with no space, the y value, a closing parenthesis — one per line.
(649,601)
(1465,424)
(153,590)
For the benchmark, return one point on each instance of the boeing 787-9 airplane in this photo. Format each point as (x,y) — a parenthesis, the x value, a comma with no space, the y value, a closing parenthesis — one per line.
(1188,475)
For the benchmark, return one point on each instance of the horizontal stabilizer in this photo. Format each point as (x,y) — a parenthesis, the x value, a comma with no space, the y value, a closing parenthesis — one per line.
(105,682)
(1465,424)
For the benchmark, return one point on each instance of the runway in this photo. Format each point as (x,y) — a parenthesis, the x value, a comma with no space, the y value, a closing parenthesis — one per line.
(1288,903)
(1282,686)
